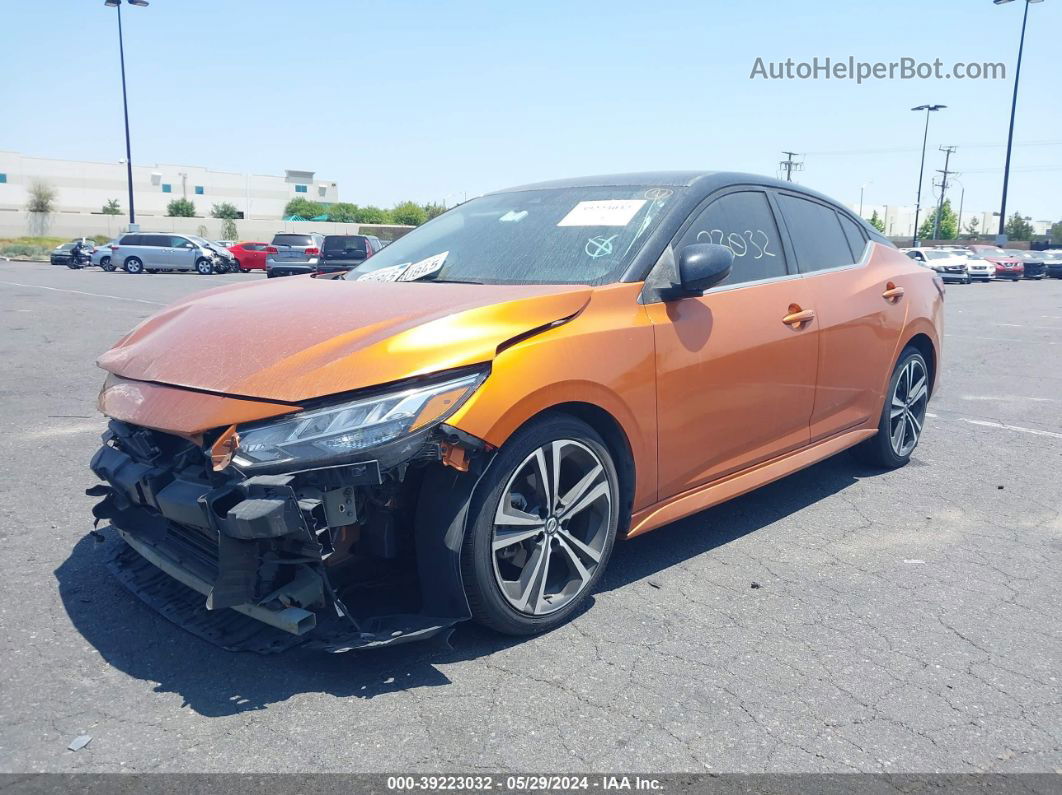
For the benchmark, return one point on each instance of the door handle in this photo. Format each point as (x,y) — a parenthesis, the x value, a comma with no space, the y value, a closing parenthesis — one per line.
(892,293)
(797,316)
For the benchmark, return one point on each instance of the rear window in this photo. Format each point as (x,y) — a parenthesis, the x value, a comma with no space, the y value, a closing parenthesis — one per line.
(818,239)
(130,240)
(293,240)
(344,245)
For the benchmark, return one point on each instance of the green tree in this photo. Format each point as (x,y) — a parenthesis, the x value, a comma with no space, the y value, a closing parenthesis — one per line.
(1018,228)
(41,198)
(877,222)
(973,228)
(181,208)
(371,214)
(342,212)
(1056,232)
(228,214)
(409,213)
(112,207)
(948,224)
(303,207)
(434,210)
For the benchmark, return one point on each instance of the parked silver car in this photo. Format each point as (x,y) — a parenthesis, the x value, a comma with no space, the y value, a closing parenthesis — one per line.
(293,253)
(137,252)
(101,255)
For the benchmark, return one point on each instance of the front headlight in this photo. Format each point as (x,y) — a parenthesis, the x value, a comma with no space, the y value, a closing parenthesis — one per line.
(345,430)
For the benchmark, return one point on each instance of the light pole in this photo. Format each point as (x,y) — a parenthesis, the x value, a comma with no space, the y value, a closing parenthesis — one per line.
(1002,234)
(125,104)
(861,189)
(962,197)
(921,169)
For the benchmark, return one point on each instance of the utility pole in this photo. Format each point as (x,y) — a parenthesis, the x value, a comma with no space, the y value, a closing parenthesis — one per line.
(947,150)
(790,165)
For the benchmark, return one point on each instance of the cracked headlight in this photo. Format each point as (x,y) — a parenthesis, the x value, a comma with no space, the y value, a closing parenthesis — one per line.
(341,432)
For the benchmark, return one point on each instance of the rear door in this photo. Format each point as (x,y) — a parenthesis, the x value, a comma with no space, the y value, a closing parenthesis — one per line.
(860,316)
(736,366)
(291,248)
(156,250)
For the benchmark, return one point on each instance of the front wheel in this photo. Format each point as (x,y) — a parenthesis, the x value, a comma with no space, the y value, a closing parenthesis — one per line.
(204,266)
(542,526)
(902,416)
(106,264)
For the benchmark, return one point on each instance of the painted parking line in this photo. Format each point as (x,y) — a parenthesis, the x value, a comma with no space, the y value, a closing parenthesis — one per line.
(1005,427)
(83,292)
(1003,339)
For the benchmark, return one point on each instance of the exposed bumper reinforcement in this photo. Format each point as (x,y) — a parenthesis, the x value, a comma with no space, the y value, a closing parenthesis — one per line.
(290,619)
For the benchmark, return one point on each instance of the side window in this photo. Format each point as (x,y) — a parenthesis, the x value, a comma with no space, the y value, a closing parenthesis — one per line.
(818,240)
(744,223)
(914,255)
(857,241)
(179,242)
(130,240)
(159,241)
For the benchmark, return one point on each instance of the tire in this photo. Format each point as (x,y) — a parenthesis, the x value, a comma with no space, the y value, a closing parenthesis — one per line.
(134,265)
(204,267)
(883,450)
(571,542)
(105,264)
(240,267)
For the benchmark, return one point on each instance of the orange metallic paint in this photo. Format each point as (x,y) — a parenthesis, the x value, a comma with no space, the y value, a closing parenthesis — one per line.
(735,383)
(179,411)
(325,336)
(716,395)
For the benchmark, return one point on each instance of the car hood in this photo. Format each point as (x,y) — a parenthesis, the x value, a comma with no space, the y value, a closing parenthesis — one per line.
(300,338)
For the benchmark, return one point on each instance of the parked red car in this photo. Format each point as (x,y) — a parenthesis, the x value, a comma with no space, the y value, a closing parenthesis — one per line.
(1007,266)
(250,255)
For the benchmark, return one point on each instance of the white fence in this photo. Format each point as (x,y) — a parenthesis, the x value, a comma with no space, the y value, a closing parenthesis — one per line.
(18,223)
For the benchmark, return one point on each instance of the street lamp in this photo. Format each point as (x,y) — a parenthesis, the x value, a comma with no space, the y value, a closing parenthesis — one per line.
(921,169)
(125,104)
(1002,238)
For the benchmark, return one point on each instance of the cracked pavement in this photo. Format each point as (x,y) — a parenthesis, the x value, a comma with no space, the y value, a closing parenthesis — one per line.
(909,621)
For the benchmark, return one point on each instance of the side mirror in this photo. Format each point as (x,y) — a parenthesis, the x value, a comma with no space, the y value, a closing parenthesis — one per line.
(701,266)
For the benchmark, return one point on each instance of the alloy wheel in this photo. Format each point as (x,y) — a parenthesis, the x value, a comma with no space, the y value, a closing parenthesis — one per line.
(910,397)
(551,527)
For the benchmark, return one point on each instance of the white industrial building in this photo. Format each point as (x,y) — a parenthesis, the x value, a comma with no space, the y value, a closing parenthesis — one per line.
(84,187)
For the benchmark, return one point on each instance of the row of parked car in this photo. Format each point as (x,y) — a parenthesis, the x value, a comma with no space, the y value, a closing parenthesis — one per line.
(965,264)
(288,254)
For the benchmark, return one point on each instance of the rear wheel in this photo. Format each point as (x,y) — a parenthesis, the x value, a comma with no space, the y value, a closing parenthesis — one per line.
(134,265)
(902,416)
(542,526)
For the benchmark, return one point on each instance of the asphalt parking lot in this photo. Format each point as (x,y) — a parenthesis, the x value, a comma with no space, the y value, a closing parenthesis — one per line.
(904,622)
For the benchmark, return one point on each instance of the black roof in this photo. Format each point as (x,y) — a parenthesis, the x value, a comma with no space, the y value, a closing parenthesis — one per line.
(701,182)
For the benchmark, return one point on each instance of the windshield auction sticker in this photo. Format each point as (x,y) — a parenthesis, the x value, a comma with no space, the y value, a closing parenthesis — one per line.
(384,274)
(607,212)
(425,267)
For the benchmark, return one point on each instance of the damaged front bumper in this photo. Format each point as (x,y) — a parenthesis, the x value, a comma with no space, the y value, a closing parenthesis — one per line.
(338,558)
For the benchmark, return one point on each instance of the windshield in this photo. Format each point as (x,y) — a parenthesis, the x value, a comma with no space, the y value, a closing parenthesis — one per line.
(585,235)
(991,251)
(939,254)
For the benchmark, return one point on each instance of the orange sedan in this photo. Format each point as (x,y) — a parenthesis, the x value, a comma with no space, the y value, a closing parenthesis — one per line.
(462,426)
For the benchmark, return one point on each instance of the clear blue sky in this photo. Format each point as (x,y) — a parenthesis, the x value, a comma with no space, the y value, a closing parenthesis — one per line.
(430,100)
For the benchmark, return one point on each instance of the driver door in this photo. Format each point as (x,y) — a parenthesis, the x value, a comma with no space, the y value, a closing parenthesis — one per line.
(736,369)
(182,253)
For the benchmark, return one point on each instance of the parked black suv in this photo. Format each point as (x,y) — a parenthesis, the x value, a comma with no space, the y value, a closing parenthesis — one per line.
(344,252)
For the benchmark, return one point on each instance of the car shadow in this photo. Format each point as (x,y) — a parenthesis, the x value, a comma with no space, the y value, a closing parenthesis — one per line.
(213,682)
